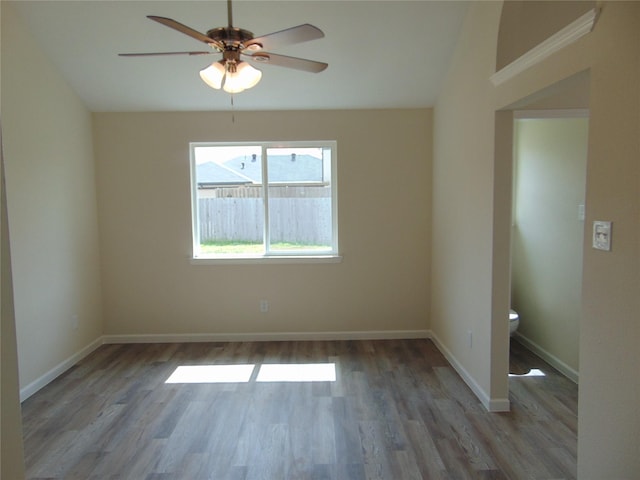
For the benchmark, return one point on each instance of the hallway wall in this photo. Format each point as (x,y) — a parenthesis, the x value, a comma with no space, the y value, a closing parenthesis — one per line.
(468,171)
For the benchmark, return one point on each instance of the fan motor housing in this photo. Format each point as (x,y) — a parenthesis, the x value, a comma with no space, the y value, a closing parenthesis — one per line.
(230,36)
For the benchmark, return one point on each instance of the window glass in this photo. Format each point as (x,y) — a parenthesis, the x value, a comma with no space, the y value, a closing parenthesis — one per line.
(263,199)
(299,199)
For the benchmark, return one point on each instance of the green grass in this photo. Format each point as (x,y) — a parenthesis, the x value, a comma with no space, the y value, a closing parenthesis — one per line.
(239,247)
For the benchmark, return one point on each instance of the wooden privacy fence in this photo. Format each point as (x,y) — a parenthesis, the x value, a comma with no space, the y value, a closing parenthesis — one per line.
(297,220)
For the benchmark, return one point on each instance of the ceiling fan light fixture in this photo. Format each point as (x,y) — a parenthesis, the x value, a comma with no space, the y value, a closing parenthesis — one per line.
(241,77)
(230,73)
(254,47)
(213,75)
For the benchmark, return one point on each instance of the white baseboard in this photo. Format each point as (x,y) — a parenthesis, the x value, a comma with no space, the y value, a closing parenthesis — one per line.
(551,359)
(58,370)
(491,404)
(266,336)
(62,367)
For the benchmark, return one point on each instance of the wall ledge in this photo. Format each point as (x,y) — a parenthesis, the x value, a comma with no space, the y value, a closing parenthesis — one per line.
(551,114)
(551,45)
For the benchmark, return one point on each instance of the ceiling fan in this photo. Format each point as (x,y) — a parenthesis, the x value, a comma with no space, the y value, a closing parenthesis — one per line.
(231,72)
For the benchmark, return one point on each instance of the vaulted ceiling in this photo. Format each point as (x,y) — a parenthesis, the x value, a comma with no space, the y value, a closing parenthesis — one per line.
(381,54)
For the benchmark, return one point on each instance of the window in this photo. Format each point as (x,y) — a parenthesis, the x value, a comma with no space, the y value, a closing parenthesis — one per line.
(261,200)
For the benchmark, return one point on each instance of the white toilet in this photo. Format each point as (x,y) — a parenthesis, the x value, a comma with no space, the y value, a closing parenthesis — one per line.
(514,321)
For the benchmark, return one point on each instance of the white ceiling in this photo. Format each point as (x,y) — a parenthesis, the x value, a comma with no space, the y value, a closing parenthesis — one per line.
(381,54)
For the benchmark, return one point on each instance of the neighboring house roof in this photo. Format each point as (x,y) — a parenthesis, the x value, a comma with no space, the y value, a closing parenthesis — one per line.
(211,173)
(245,170)
(282,168)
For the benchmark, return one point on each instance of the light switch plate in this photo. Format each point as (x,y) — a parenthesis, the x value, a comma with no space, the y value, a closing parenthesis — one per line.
(602,235)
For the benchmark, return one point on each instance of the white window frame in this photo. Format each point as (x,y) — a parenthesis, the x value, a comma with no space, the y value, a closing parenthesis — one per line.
(328,256)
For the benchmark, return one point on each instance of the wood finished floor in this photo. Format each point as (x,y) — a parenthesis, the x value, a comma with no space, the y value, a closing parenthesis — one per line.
(397,410)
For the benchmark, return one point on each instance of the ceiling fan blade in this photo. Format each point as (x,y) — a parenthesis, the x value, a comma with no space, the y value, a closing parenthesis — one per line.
(303,64)
(155,54)
(168,22)
(299,34)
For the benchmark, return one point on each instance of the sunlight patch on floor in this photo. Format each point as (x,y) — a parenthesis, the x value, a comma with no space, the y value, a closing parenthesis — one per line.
(279,372)
(298,372)
(211,374)
(534,372)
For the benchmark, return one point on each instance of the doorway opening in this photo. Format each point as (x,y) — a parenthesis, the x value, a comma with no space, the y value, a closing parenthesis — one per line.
(557,101)
(547,232)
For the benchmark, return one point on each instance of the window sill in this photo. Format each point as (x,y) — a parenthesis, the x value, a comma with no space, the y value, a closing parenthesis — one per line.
(267,260)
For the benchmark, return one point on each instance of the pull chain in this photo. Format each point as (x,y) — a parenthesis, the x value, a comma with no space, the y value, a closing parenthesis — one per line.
(233,113)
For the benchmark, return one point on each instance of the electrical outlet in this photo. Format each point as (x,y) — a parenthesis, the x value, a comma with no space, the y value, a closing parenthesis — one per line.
(74,322)
(470,338)
(264,306)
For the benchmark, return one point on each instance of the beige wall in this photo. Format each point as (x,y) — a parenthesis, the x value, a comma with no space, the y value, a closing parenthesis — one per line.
(149,284)
(609,330)
(463,207)
(51,207)
(550,174)
(11,445)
